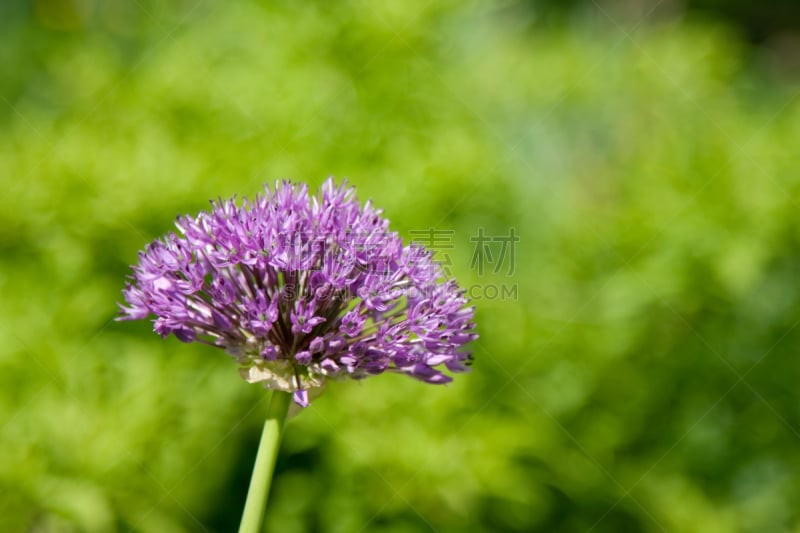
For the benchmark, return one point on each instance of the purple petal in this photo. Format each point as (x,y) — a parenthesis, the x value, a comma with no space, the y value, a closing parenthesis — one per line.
(300,397)
(304,357)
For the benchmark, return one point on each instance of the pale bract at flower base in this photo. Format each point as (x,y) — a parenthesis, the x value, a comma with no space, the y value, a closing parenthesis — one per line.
(300,288)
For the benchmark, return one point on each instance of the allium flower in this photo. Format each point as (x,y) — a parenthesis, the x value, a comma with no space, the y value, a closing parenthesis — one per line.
(299,288)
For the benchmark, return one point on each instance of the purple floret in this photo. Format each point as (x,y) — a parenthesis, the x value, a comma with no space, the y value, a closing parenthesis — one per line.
(300,288)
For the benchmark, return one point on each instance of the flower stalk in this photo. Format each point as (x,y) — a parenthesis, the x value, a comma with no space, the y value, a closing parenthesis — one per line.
(257,494)
(300,288)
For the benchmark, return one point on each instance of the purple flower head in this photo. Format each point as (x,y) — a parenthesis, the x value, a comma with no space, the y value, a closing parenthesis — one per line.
(299,288)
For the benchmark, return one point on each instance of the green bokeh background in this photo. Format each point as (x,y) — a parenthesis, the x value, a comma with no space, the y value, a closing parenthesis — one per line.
(643,378)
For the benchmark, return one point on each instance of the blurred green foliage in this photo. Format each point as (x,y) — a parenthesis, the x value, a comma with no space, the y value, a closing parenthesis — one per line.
(759,21)
(644,379)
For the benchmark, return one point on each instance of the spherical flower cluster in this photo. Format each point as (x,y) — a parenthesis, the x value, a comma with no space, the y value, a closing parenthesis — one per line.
(299,288)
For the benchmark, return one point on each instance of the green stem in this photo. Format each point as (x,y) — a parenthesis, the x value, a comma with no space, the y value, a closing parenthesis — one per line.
(265,463)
